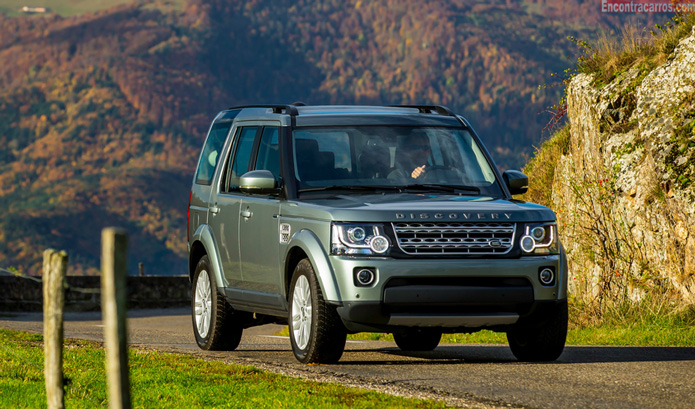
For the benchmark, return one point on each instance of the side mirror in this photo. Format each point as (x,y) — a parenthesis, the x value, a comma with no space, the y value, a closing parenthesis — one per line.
(258,181)
(516,182)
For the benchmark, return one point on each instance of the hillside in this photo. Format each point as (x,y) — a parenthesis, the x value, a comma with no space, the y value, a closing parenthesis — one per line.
(103,113)
(620,175)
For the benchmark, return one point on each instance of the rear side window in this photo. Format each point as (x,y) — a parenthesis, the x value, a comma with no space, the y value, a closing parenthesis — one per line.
(211,153)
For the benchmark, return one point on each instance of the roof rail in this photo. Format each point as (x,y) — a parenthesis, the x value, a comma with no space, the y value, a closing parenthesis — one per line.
(277,108)
(428,109)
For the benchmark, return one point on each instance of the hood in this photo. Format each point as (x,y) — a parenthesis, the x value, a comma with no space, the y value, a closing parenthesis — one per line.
(393,207)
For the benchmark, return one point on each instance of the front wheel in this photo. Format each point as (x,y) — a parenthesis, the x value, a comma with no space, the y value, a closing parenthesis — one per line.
(317,334)
(541,344)
(214,323)
(418,339)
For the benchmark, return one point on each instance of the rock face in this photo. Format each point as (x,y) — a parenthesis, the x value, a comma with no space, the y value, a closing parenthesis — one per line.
(624,193)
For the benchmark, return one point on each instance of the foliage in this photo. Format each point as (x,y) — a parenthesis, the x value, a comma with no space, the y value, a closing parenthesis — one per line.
(610,271)
(169,381)
(653,321)
(605,241)
(103,113)
(680,160)
(613,55)
(541,168)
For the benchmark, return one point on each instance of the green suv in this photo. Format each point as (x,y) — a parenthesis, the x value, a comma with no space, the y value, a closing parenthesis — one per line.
(344,219)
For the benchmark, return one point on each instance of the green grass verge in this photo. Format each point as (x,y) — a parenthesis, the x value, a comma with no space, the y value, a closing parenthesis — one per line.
(658,331)
(160,380)
(638,335)
(75,7)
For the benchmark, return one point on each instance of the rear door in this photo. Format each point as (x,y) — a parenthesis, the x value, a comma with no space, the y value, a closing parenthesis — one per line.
(226,205)
(208,164)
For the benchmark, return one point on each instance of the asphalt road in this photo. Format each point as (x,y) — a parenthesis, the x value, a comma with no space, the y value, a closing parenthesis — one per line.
(467,375)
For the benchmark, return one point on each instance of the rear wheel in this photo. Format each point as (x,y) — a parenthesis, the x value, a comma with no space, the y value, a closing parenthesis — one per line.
(418,339)
(317,334)
(541,344)
(214,323)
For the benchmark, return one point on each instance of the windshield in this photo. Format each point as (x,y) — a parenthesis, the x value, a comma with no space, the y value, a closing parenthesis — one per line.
(429,158)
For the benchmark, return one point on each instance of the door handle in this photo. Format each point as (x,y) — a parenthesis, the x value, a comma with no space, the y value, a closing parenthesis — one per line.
(214,209)
(246,213)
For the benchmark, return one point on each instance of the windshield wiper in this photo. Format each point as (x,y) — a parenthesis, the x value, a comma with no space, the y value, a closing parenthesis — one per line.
(443,188)
(360,188)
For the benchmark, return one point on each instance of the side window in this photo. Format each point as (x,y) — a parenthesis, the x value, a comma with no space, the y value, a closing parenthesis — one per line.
(242,155)
(268,151)
(322,155)
(211,152)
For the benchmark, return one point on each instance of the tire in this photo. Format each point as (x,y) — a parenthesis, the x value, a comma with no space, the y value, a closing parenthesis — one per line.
(317,334)
(214,323)
(417,339)
(541,344)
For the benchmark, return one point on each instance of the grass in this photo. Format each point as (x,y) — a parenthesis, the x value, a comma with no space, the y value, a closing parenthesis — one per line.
(62,7)
(642,324)
(656,334)
(541,168)
(172,381)
(612,55)
(71,7)
(652,322)
(160,380)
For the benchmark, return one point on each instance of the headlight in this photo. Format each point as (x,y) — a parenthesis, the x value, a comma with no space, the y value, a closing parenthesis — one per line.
(359,239)
(539,239)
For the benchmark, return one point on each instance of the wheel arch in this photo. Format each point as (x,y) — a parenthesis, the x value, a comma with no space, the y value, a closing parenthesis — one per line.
(305,244)
(194,255)
(203,243)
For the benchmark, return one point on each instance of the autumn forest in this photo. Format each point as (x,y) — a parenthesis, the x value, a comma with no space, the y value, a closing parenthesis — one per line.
(102,114)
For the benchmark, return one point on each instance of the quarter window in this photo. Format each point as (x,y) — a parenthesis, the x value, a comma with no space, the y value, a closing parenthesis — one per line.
(242,155)
(268,151)
(211,152)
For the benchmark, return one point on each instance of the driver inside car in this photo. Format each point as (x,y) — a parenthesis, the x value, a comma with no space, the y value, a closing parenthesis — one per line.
(412,154)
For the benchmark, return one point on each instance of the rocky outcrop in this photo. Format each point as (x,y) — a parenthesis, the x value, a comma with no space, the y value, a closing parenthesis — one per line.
(624,192)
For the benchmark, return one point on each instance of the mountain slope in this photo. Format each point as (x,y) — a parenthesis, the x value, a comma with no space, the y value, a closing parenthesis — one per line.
(103,114)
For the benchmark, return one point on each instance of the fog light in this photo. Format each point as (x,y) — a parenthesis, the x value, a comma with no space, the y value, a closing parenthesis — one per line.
(528,244)
(365,277)
(546,276)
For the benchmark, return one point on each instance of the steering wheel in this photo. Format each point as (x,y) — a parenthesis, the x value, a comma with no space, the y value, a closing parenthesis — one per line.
(442,173)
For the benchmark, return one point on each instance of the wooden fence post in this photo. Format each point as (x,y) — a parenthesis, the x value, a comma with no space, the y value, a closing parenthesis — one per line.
(55,264)
(114,254)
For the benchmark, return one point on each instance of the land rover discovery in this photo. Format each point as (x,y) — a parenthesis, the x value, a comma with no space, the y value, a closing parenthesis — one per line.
(345,219)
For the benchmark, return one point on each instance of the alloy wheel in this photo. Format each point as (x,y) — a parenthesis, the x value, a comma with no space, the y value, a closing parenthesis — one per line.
(301,312)
(203,304)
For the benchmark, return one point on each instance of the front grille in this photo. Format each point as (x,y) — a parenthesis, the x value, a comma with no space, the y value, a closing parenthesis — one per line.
(422,238)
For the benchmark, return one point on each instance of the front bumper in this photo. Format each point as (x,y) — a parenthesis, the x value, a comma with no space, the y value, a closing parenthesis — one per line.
(462,295)
(376,317)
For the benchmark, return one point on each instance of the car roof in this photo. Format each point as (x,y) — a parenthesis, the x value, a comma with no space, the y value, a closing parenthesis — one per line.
(342,115)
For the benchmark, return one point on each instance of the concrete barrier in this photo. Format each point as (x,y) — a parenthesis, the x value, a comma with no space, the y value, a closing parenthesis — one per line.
(84,293)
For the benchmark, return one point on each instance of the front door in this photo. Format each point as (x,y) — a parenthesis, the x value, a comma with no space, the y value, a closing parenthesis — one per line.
(258,231)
